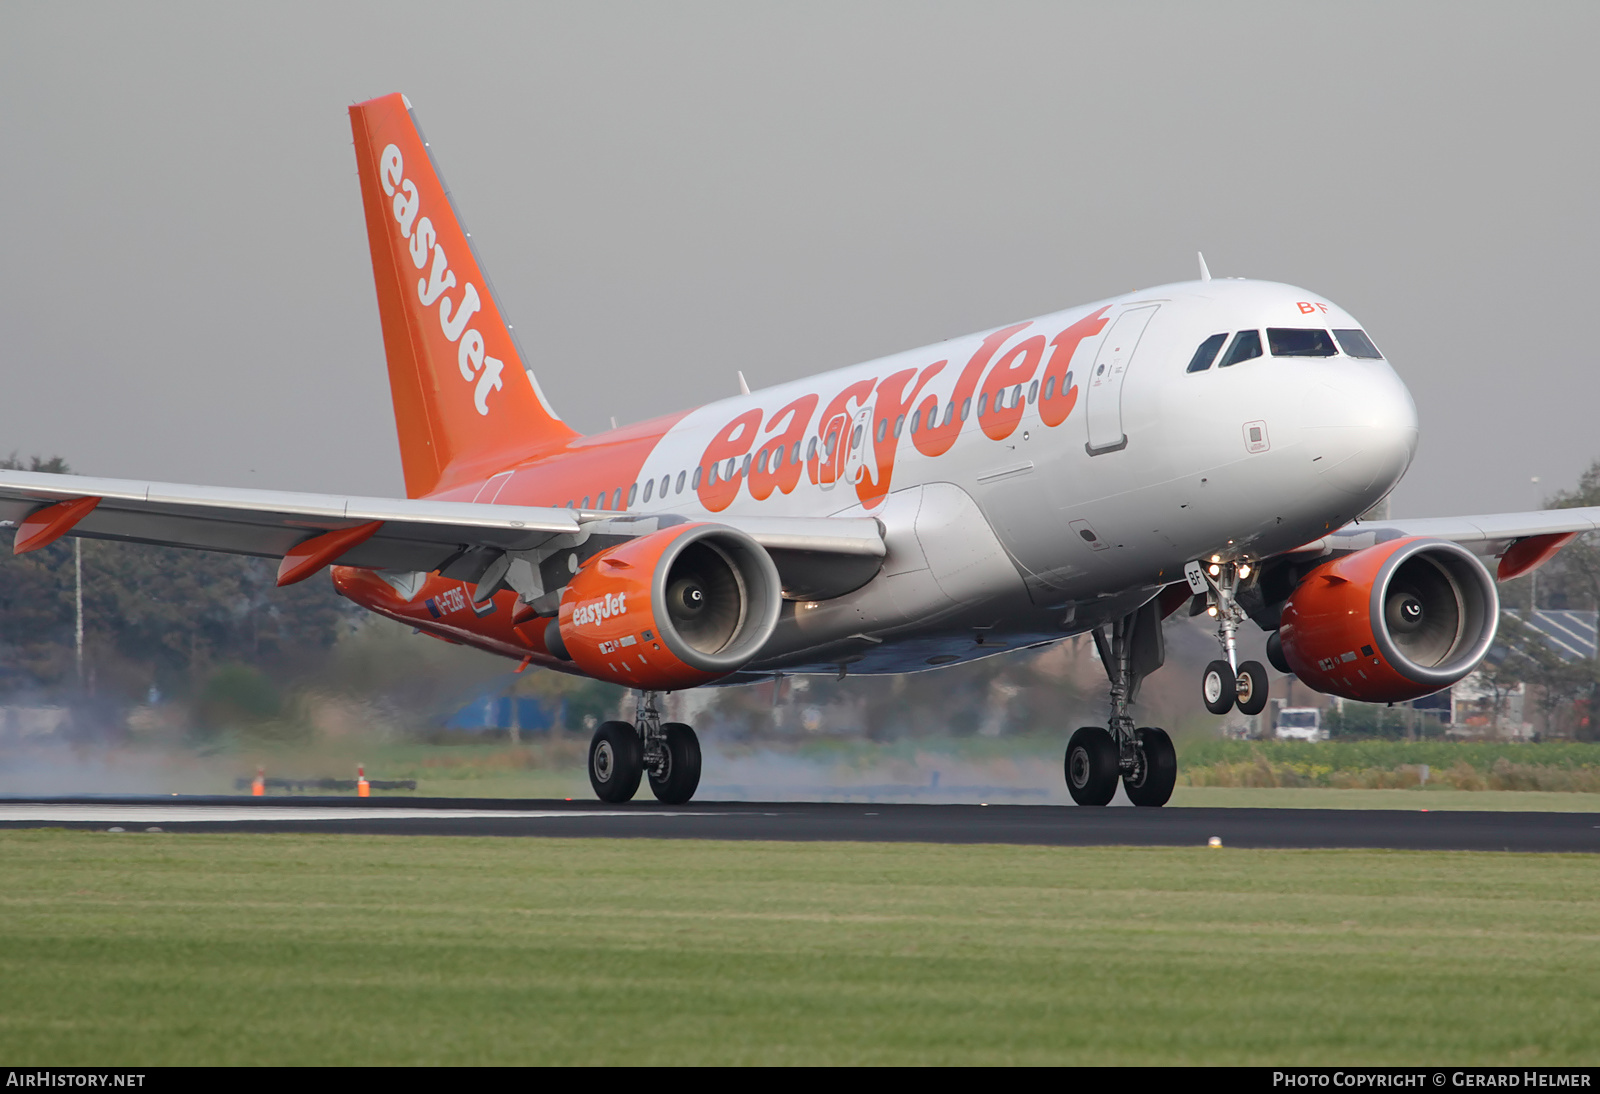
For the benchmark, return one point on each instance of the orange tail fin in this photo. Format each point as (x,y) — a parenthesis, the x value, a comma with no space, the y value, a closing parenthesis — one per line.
(465,403)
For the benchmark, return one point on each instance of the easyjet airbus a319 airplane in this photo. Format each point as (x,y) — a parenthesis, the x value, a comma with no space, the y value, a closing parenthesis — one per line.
(1200,446)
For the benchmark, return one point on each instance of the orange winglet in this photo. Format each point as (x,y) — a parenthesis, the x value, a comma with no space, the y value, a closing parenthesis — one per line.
(1531,552)
(44,526)
(305,559)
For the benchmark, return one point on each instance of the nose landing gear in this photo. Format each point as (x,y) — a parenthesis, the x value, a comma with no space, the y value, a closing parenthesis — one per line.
(620,755)
(1228,683)
(1142,758)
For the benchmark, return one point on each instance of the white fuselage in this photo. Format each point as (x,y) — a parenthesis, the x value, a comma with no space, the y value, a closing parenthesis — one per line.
(1026,531)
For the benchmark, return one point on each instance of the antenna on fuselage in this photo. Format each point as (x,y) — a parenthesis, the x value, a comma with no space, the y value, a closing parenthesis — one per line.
(1205,274)
(744,388)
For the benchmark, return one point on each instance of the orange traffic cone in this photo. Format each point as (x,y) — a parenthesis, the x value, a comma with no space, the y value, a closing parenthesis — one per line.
(363,790)
(258,787)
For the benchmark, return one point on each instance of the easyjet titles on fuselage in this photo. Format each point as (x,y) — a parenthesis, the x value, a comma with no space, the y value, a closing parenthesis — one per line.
(932,424)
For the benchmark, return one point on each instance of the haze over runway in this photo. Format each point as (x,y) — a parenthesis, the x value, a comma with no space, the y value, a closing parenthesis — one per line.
(667,194)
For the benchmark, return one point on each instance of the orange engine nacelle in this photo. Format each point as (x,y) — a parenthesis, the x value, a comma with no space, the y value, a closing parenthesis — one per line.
(673,609)
(1391,623)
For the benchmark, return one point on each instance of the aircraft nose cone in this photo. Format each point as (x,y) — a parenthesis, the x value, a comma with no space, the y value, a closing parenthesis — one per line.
(1363,434)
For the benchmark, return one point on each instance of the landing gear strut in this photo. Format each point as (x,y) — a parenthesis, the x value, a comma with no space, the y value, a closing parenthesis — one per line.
(1142,758)
(621,754)
(1227,683)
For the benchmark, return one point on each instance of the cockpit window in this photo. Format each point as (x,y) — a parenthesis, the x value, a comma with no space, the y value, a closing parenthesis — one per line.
(1357,344)
(1293,342)
(1246,345)
(1207,353)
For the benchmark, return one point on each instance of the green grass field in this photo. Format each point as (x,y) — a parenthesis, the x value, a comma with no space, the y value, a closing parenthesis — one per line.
(141,948)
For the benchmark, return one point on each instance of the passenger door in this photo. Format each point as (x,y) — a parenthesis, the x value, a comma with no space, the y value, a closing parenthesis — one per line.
(1103,389)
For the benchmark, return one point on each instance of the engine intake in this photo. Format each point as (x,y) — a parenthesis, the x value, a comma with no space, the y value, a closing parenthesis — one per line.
(1391,623)
(673,609)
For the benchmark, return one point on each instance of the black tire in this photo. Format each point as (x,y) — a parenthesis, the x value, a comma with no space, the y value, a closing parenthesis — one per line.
(1092,766)
(1152,781)
(1217,687)
(1250,689)
(682,775)
(1275,656)
(616,762)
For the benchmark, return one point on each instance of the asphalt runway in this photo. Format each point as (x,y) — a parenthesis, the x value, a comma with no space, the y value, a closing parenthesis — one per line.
(1047,825)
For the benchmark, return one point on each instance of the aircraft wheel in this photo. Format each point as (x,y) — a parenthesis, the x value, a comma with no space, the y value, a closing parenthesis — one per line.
(1250,689)
(1092,766)
(1151,782)
(616,762)
(680,776)
(1217,687)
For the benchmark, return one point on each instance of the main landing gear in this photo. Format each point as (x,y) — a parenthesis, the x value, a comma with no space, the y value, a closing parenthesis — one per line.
(1228,683)
(1142,758)
(621,754)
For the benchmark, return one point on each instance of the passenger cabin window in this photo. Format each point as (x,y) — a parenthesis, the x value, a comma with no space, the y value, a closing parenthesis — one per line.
(1207,353)
(1293,342)
(1357,344)
(1246,346)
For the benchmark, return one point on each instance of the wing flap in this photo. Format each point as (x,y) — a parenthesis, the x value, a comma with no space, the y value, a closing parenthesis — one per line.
(415,535)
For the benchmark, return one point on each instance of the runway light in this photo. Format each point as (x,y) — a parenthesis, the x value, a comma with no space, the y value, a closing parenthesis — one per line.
(1214,841)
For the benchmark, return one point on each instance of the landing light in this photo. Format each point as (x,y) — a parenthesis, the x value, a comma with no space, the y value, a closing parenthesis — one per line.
(1212,611)
(1244,571)
(1215,570)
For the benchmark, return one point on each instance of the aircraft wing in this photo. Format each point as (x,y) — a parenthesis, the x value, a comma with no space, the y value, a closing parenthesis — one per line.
(401,534)
(1520,541)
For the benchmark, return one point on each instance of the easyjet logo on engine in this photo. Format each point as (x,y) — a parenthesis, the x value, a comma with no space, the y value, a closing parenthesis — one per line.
(593,611)
(472,357)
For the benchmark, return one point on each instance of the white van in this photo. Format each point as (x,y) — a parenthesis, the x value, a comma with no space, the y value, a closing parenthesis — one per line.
(1299,724)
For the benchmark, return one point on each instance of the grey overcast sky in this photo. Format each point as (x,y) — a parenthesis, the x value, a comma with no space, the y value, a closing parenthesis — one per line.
(665,193)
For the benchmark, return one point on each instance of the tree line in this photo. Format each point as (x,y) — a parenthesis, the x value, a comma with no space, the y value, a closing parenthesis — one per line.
(153,617)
